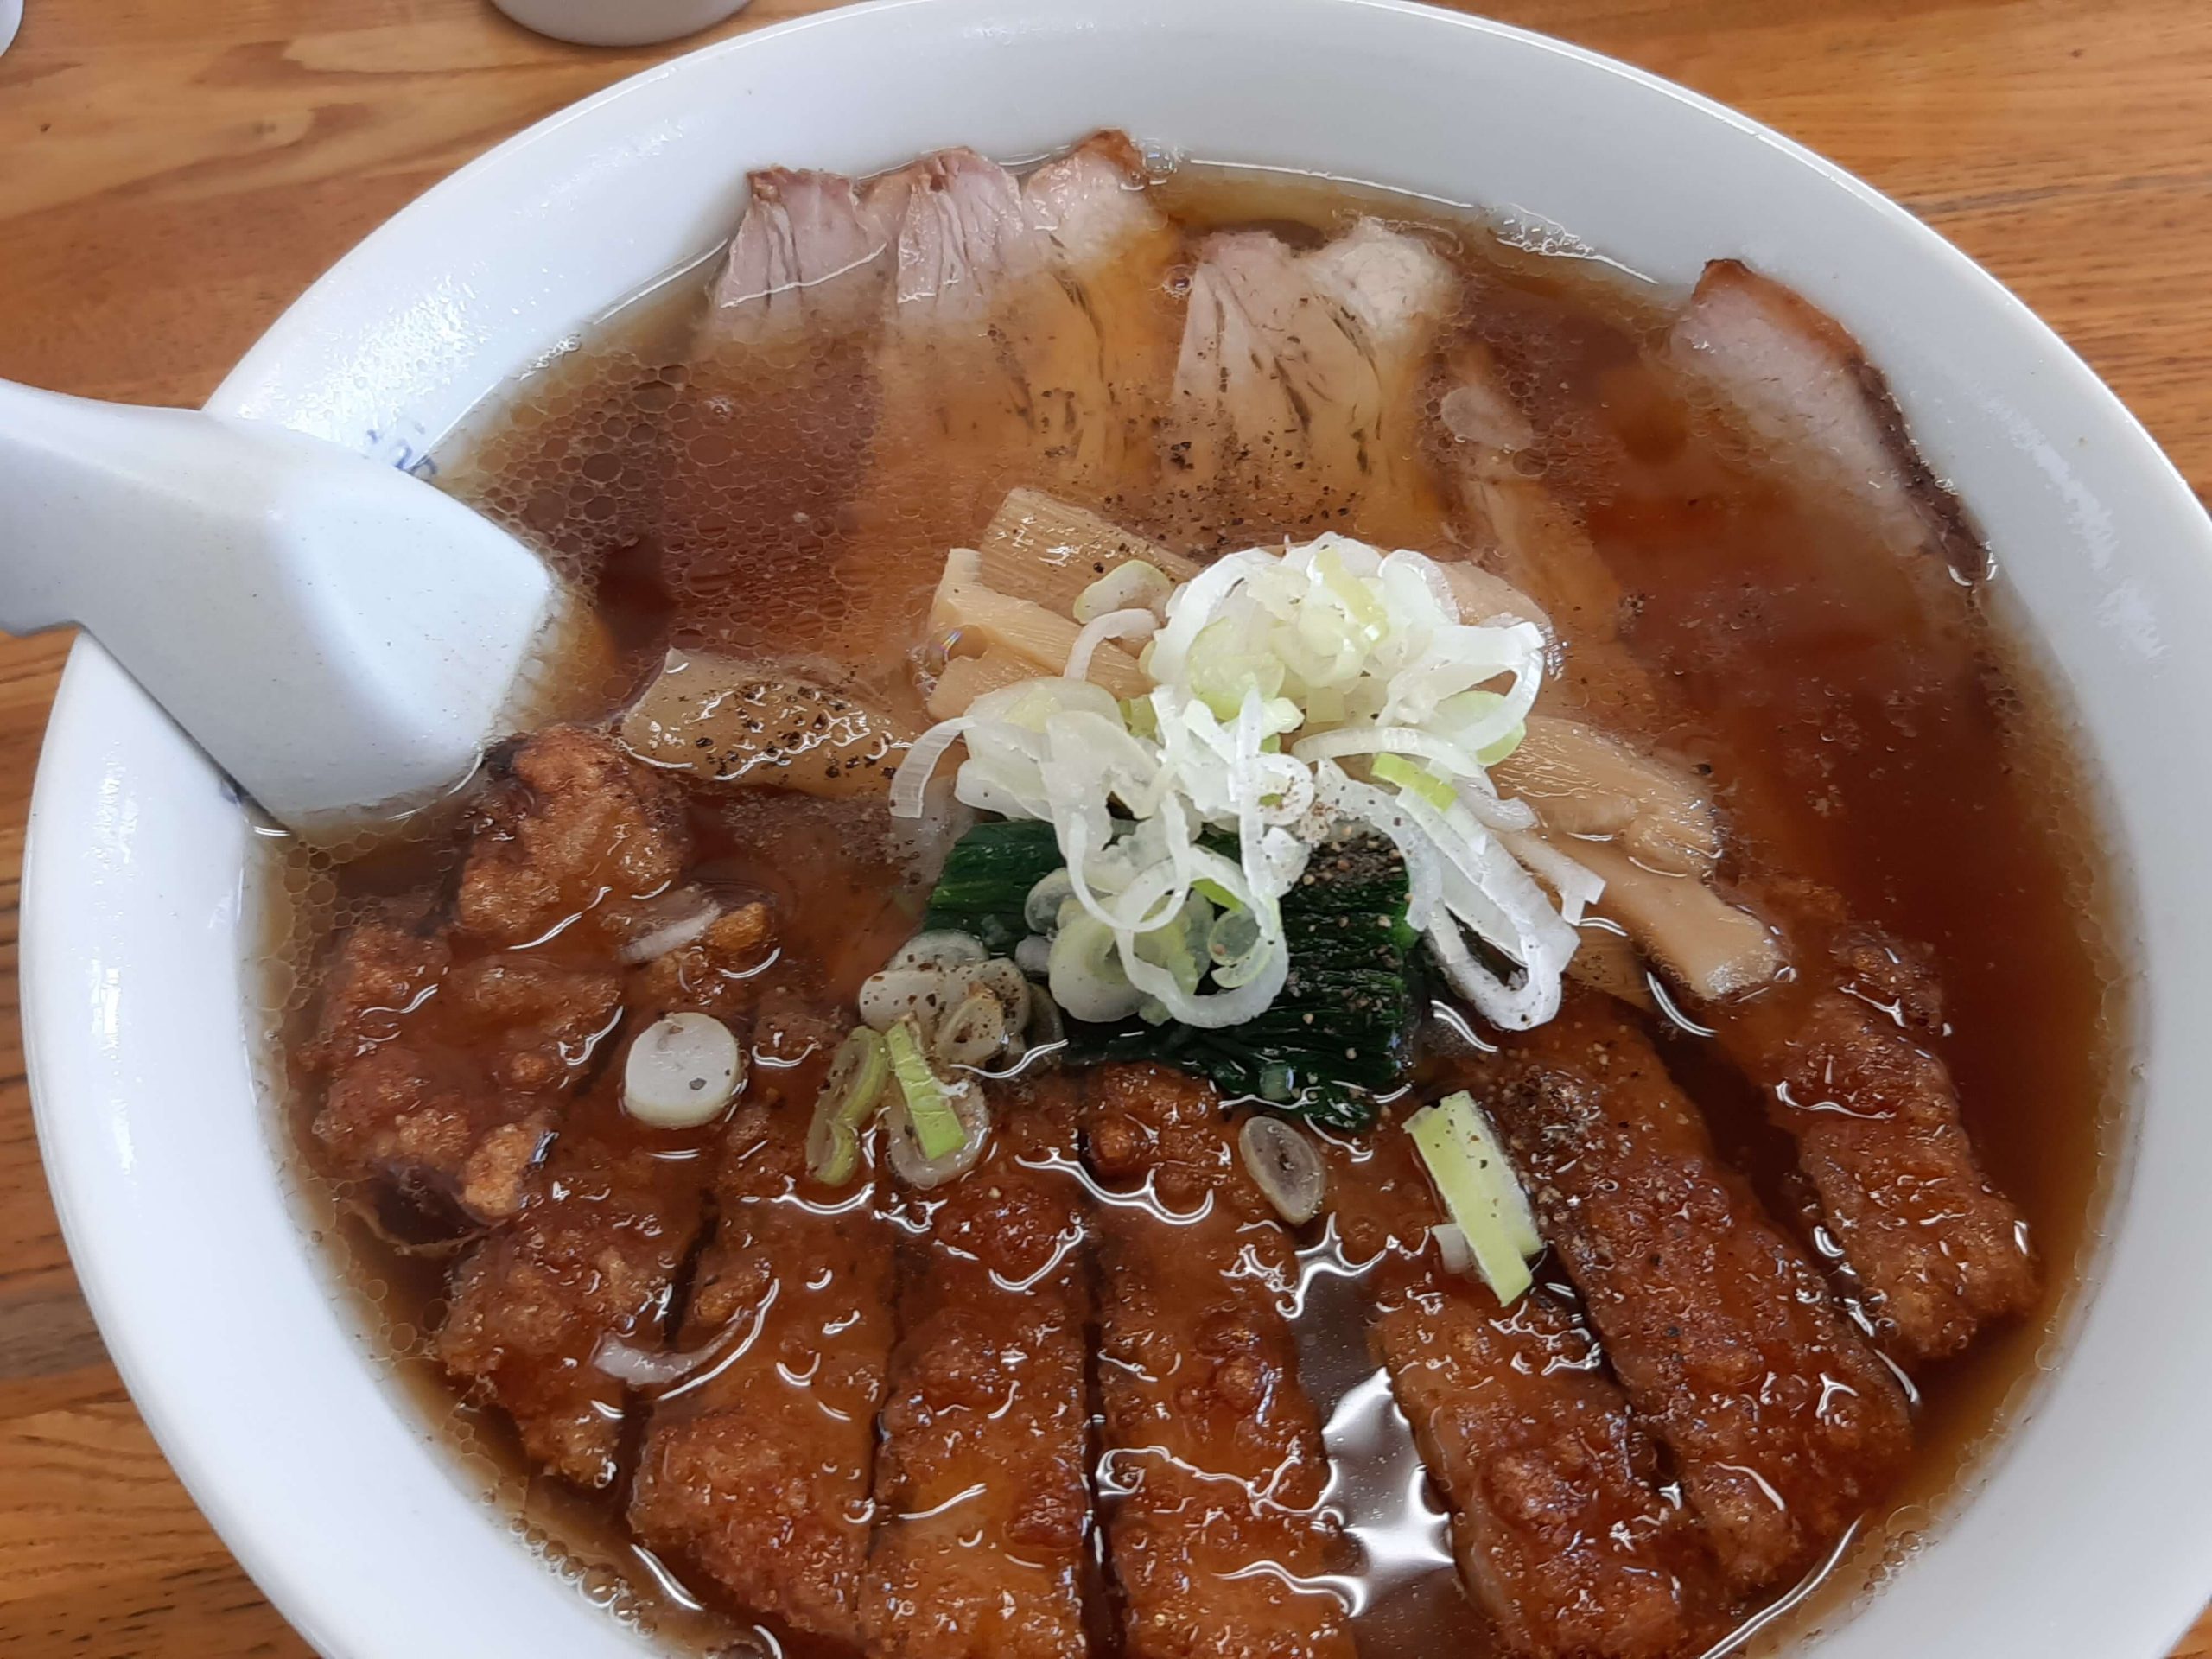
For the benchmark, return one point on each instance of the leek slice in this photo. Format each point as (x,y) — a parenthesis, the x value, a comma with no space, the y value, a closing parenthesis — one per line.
(1407,774)
(848,1100)
(1370,621)
(1214,893)
(937,1128)
(1131,583)
(1478,1186)
(1467,706)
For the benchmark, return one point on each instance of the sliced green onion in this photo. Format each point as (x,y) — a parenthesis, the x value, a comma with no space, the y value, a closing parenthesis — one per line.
(941,947)
(1040,911)
(1130,584)
(1365,611)
(1325,706)
(1238,948)
(1411,775)
(1215,894)
(974,1032)
(1180,944)
(1223,665)
(1283,1163)
(848,1100)
(1467,706)
(938,1129)
(1085,970)
(1480,1192)
(1331,641)
(682,1071)
(1491,754)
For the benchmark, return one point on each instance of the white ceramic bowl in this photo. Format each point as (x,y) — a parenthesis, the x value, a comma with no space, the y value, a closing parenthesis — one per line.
(2092,1532)
(617,23)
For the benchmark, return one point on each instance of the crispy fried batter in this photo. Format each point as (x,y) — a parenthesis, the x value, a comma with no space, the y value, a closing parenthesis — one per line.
(756,1470)
(539,1022)
(590,1262)
(1784,1426)
(981,1484)
(441,1077)
(444,1156)
(382,966)
(1213,1464)
(1565,1540)
(575,830)
(1845,1059)
(717,973)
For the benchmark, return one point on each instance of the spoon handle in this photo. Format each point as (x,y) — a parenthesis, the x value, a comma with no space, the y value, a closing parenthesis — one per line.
(332,631)
(73,480)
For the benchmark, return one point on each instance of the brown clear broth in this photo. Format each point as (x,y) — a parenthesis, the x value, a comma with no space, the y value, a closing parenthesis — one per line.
(708,504)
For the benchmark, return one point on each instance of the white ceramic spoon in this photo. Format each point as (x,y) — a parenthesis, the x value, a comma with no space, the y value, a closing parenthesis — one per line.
(337,635)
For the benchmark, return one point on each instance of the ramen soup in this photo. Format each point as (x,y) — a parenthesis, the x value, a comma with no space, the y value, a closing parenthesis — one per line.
(1242,923)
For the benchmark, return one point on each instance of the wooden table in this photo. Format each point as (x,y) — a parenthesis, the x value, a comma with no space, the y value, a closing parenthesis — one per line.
(171,175)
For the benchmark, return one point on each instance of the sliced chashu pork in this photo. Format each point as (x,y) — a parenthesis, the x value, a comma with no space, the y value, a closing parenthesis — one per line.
(1026,330)
(1537,544)
(770,430)
(1113,253)
(1641,826)
(806,255)
(1799,380)
(1024,316)
(1295,400)
(1882,576)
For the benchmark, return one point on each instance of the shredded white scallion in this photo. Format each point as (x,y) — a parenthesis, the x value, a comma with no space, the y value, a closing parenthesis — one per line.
(1132,624)
(1279,678)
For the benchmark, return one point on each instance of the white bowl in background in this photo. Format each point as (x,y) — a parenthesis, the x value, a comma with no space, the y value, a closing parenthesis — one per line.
(616,22)
(2092,1530)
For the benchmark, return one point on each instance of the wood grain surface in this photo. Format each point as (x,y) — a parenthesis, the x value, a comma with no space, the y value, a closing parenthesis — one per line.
(172,172)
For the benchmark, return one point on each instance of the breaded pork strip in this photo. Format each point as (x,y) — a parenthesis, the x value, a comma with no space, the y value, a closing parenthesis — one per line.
(1784,1425)
(569,834)
(1564,1537)
(1213,1469)
(757,1469)
(1845,1057)
(541,1308)
(443,1081)
(981,1483)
